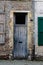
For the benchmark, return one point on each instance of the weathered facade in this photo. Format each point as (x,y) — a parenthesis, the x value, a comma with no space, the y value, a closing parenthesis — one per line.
(38,28)
(7,10)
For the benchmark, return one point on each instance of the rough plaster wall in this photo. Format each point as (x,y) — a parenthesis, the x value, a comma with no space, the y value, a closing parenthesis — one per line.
(38,13)
(30,34)
(7,7)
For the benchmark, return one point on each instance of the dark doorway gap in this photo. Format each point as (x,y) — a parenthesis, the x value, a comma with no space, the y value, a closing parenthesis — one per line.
(20,18)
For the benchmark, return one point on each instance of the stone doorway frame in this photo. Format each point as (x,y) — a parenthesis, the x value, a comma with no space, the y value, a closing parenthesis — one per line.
(11,43)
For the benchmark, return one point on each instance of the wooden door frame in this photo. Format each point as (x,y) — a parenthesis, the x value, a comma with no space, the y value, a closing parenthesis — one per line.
(29,15)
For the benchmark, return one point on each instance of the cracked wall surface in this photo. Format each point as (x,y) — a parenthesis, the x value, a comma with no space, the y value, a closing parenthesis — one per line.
(6,7)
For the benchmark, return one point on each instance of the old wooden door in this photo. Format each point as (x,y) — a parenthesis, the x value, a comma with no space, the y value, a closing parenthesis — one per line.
(20,39)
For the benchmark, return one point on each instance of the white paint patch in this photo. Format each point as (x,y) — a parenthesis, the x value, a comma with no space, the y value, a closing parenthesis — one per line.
(38,13)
